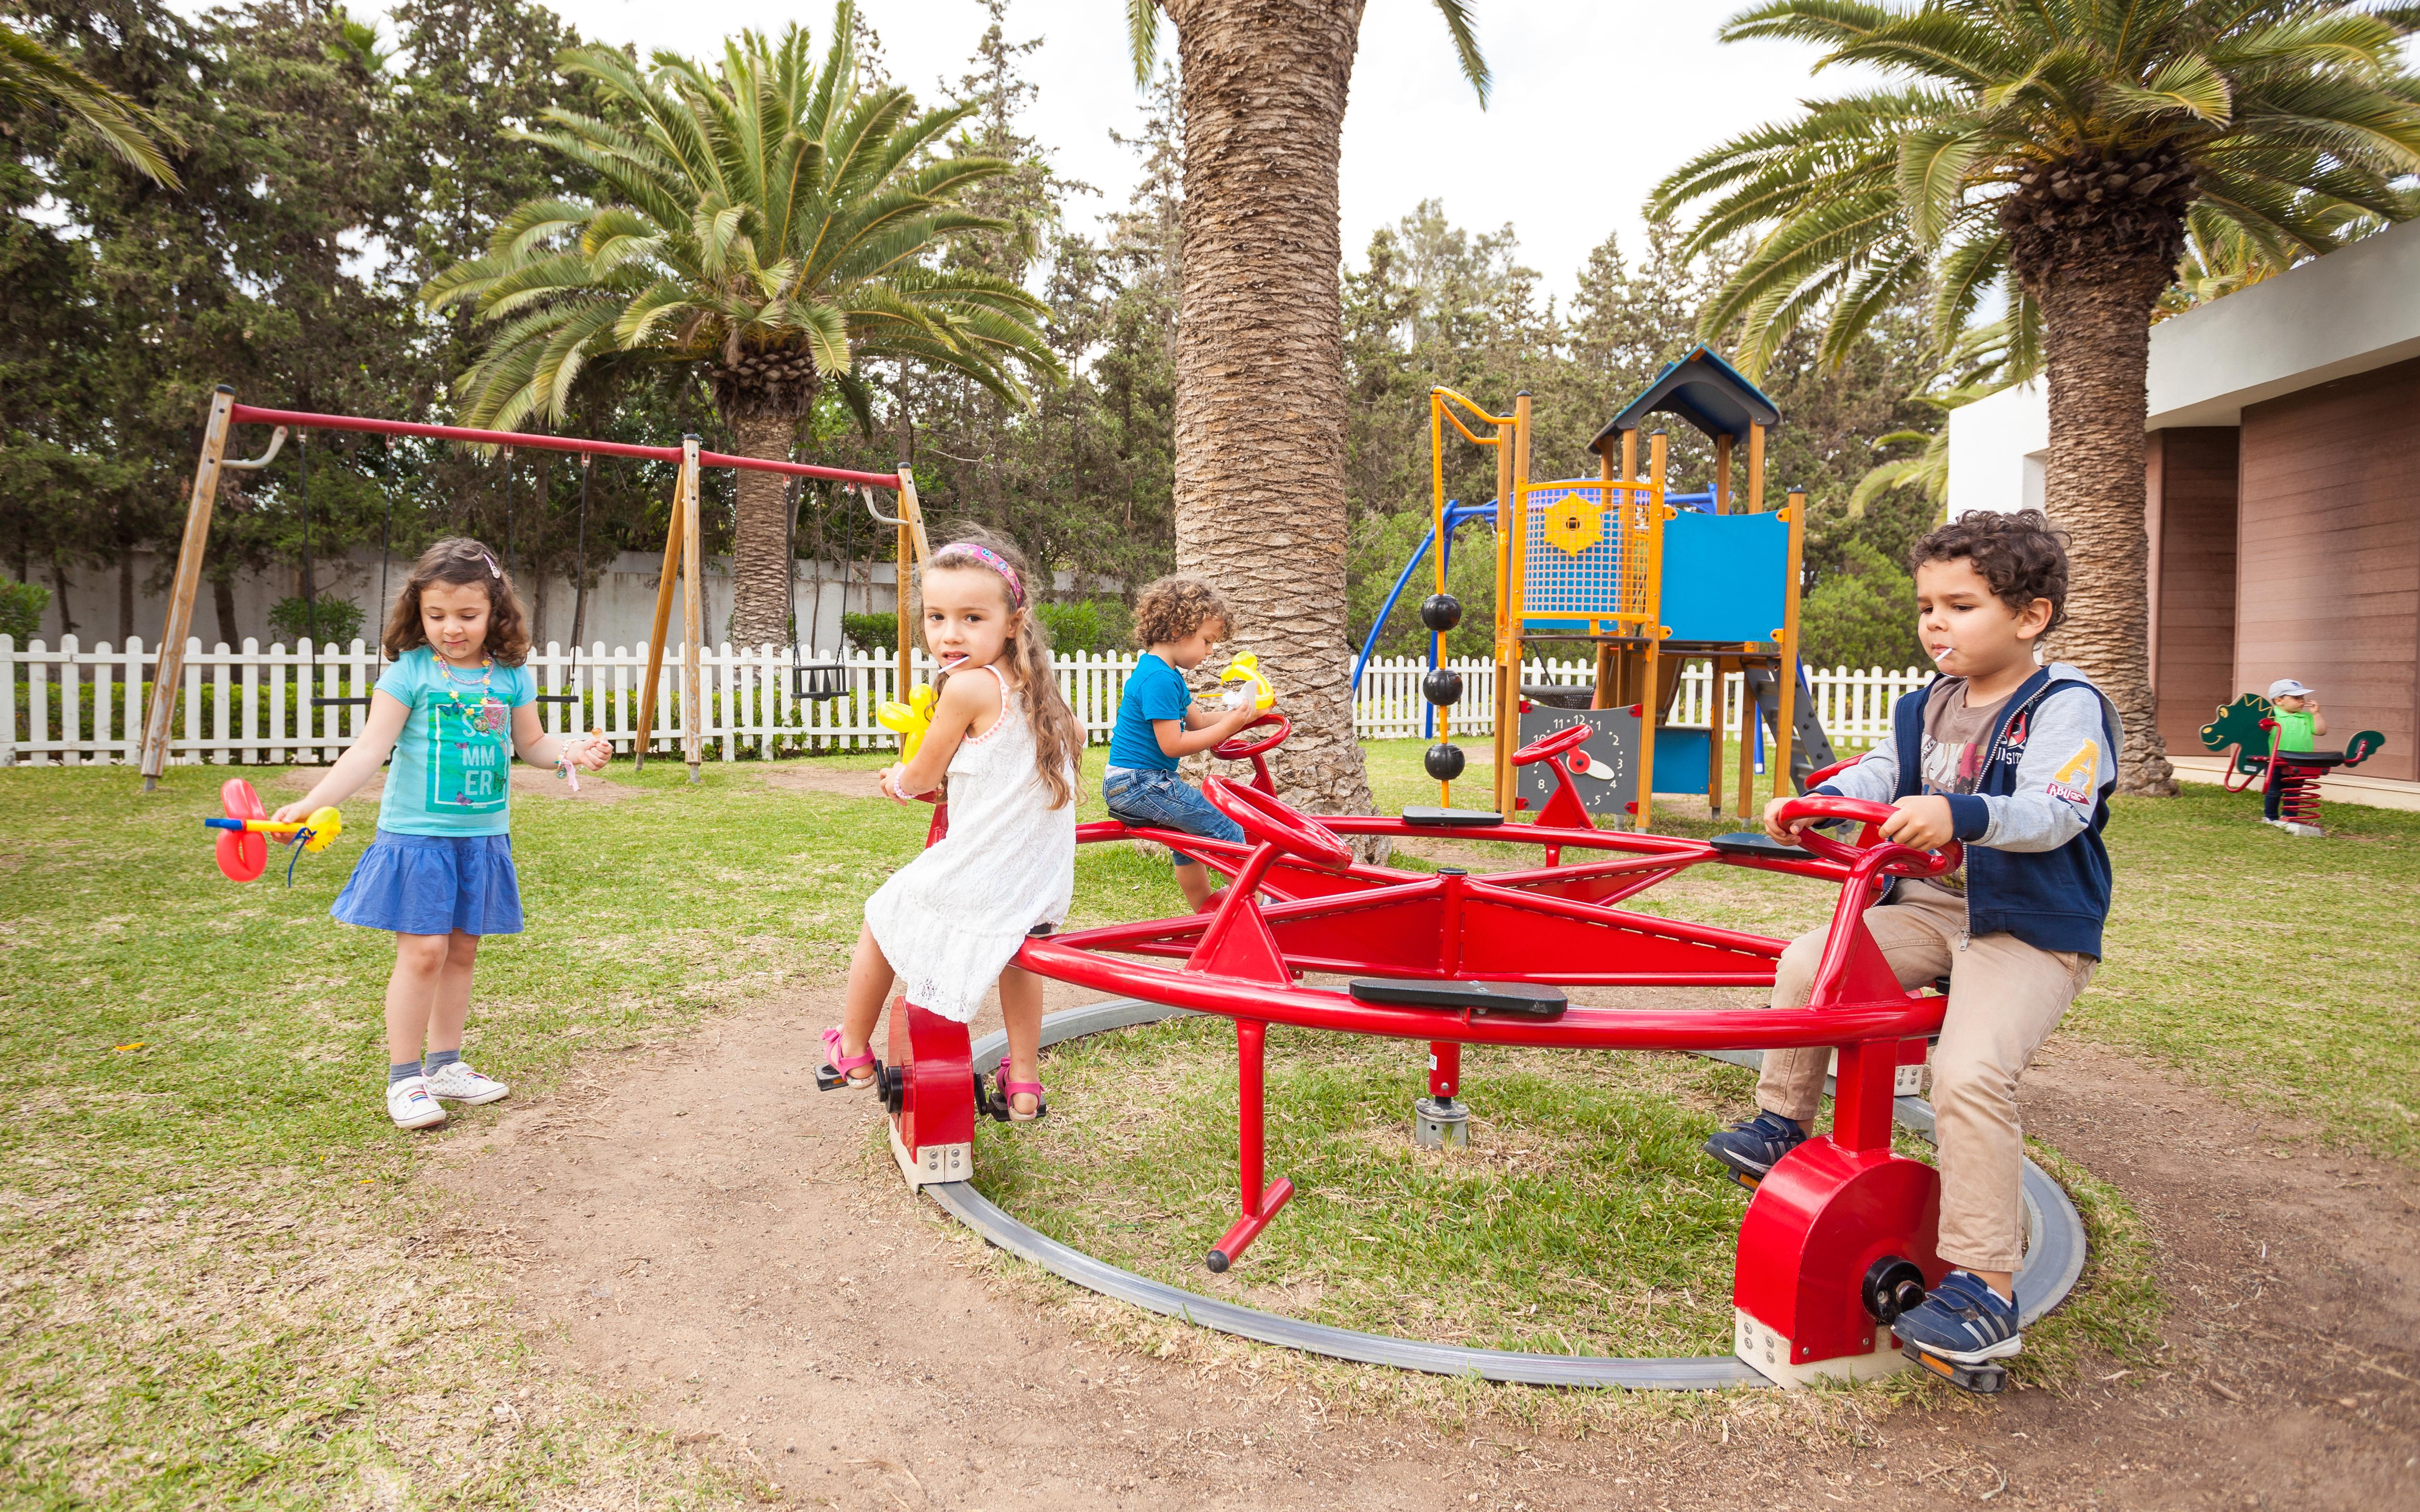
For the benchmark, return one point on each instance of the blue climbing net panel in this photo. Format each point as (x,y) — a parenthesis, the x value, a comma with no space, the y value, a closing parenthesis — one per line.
(1586,557)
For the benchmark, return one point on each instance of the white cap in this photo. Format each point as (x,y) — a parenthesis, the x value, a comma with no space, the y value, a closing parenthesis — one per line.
(2286,687)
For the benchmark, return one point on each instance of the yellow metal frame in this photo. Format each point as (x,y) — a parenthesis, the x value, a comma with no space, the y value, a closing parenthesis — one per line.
(1439,417)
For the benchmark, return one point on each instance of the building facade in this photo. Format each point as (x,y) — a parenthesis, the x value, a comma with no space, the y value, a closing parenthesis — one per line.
(2284,496)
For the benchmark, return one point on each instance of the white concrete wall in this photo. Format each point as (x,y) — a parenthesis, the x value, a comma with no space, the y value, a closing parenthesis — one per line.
(2353,310)
(1996,451)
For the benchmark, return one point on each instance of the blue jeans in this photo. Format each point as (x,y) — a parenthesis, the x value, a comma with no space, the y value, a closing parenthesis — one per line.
(1164,800)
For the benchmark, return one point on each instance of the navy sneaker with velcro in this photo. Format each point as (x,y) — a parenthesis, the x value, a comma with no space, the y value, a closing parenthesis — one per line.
(1753,1145)
(1963,1319)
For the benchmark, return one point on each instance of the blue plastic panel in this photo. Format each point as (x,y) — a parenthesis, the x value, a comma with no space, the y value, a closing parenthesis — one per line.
(1725,578)
(1682,752)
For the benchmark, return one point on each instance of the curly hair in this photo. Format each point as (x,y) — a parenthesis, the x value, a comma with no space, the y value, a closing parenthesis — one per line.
(455,561)
(1172,609)
(2021,555)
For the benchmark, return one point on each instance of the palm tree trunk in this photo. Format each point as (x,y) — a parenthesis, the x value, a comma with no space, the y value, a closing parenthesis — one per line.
(2097,347)
(1260,378)
(760,579)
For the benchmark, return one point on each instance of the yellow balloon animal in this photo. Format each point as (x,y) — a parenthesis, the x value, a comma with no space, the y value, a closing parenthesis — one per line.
(908,720)
(1246,669)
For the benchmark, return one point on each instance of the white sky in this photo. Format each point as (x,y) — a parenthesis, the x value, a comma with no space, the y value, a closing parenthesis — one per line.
(1595,100)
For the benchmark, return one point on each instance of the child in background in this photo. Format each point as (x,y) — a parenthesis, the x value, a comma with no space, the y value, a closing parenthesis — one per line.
(440,872)
(2017,761)
(2300,723)
(949,922)
(1178,620)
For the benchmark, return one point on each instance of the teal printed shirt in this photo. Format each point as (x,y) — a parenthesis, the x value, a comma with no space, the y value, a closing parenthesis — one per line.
(455,754)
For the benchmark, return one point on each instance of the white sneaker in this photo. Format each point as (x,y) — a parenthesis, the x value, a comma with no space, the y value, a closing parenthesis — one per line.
(409,1105)
(458,1083)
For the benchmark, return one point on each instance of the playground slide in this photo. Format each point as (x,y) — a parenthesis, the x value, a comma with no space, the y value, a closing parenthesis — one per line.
(1809,747)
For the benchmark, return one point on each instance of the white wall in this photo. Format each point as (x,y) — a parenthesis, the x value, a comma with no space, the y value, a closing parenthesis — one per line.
(2353,310)
(1997,447)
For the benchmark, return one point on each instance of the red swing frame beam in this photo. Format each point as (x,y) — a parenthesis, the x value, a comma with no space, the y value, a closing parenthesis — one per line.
(682,547)
(245,414)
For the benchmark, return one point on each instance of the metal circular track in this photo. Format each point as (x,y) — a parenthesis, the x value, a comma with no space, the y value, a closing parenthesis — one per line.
(2054,1260)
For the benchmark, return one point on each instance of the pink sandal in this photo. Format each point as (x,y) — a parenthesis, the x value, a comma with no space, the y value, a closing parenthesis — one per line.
(1008,1092)
(833,1075)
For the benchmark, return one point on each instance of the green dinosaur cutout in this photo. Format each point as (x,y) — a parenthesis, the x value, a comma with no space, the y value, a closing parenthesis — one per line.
(2238,725)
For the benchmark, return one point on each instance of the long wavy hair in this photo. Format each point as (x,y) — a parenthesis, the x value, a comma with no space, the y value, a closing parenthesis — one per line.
(1058,735)
(455,561)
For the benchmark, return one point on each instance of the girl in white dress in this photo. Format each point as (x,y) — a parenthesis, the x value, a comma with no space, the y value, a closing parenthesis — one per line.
(947,924)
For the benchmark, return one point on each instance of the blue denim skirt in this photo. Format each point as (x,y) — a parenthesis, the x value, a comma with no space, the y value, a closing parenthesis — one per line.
(434,885)
(1164,800)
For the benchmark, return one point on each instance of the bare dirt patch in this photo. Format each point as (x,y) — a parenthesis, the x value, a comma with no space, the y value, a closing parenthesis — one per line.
(805,777)
(695,1226)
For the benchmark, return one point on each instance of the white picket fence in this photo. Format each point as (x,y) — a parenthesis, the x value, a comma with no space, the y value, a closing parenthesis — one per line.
(253,707)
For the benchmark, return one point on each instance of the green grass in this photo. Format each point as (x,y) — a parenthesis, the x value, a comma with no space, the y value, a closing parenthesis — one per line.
(1583,1218)
(219,1289)
(201,1198)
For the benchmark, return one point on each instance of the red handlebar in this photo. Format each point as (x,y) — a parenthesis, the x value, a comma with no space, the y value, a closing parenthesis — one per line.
(1271,823)
(1907,862)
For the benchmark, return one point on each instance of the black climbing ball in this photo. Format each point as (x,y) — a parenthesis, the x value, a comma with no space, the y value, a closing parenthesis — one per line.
(1440,612)
(1441,686)
(1443,761)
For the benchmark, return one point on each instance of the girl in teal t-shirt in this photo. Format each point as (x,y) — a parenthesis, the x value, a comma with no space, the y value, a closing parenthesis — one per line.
(454,707)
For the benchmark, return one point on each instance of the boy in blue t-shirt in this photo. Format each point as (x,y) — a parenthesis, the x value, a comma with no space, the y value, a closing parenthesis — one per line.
(1178,620)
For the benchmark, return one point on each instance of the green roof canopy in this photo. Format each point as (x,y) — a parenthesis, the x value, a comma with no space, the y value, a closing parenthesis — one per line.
(1701,389)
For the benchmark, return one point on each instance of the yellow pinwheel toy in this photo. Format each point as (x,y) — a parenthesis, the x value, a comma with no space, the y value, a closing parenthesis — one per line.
(1246,669)
(908,720)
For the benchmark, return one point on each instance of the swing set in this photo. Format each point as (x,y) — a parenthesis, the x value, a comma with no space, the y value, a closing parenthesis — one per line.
(683,554)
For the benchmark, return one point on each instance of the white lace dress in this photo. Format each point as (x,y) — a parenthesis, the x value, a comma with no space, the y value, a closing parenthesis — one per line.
(949,921)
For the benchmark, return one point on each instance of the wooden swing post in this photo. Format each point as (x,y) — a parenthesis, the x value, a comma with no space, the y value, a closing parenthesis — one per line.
(681,565)
(171,669)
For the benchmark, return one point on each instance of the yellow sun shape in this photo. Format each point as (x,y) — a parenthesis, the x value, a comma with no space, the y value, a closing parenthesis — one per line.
(1573,525)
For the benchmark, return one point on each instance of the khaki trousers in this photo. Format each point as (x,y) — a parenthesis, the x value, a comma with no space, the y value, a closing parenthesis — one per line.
(2005,997)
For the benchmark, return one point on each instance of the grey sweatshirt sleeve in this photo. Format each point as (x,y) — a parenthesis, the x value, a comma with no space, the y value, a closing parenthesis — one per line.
(2066,761)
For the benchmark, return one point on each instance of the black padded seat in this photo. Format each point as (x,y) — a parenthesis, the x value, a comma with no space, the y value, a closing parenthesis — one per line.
(1749,843)
(1446,818)
(1519,999)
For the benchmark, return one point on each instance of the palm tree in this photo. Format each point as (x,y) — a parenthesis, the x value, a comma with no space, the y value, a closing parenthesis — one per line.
(770,223)
(1260,359)
(32,74)
(2057,151)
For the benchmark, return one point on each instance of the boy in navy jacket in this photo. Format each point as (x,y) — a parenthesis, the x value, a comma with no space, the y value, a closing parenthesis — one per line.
(2017,761)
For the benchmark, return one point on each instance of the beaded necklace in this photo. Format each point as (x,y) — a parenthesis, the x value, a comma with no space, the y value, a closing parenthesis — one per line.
(487,715)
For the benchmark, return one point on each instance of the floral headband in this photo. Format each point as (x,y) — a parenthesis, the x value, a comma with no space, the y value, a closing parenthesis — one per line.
(989,558)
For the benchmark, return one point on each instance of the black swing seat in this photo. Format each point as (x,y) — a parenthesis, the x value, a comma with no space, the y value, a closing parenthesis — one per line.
(1520,999)
(1749,843)
(1451,818)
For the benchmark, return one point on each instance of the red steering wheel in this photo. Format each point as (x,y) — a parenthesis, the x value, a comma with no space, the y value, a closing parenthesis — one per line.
(1271,823)
(1236,749)
(1903,861)
(1548,747)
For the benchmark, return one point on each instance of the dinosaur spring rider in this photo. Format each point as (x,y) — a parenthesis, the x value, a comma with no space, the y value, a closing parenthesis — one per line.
(2248,726)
